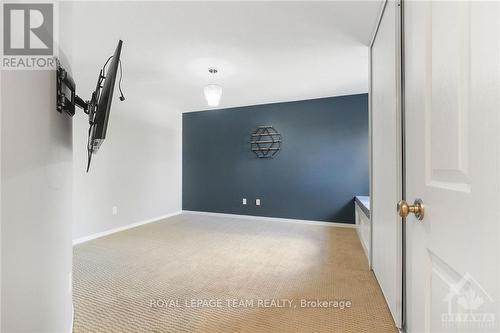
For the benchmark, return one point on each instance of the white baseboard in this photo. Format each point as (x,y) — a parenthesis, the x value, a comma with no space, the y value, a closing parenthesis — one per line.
(72,317)
(275,219)
(128,226)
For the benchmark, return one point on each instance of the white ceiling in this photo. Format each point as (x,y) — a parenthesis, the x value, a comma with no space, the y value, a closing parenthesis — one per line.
(265,51)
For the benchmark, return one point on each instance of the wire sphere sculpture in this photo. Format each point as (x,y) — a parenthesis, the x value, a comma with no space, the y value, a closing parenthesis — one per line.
(265,142)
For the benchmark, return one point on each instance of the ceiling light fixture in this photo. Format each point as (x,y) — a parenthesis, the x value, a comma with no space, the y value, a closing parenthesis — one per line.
(213,92)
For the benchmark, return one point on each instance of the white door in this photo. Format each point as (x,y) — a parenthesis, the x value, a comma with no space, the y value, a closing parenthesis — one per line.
(386,158)
(452,108)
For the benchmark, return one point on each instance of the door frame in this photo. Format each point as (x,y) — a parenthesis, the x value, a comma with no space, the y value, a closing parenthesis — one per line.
(400,109)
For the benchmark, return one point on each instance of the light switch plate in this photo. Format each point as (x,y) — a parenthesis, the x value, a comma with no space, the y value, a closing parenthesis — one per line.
(257,202)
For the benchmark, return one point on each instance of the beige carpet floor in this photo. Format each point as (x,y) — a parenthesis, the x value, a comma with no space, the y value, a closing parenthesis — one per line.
(193,273)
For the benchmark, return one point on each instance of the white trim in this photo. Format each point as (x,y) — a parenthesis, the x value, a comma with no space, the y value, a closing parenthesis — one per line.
(128,226)
(379,20)
(72,317)
(399,313)
(274,219)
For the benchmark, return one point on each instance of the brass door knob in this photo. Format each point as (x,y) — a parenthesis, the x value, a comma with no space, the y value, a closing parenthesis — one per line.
(404,209)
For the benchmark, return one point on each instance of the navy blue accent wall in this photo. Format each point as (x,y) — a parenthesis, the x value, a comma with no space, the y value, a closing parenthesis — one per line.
(322,165)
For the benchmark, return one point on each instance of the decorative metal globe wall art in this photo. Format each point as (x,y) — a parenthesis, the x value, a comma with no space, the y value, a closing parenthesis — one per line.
(265,142)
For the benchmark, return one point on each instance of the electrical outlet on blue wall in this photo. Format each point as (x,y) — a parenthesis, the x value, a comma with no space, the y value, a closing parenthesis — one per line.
(322,166)
(257,202)
(244,201)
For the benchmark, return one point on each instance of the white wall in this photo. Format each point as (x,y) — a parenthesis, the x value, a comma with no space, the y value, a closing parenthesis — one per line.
(138,167)
(36,200)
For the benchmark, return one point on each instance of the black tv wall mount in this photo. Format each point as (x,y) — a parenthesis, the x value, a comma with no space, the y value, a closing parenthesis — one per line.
(66,94)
